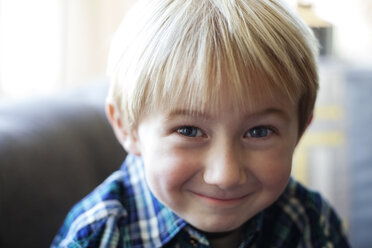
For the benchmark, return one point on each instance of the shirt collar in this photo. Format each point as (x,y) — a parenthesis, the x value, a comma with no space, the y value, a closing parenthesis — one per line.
(250,232)
(251,229)
(151,224)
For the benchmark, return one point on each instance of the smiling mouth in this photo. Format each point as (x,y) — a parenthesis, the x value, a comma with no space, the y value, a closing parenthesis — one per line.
(216,200)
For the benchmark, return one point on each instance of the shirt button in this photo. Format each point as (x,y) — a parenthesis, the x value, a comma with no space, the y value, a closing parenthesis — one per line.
(193,242)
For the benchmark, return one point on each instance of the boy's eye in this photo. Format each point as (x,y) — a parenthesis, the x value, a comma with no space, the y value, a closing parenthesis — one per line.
(190,131)
(259,132)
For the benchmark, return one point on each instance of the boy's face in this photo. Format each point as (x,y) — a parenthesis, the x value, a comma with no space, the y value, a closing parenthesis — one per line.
(217,170)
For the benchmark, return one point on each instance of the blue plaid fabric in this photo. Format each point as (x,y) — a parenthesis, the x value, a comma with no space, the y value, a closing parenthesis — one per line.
(122,212)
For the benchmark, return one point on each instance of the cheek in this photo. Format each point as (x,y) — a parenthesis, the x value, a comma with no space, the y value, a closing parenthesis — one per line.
(167,170)
(273,168)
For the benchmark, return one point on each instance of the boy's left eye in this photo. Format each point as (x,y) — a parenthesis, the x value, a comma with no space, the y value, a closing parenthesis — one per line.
(189,131)
(259,132)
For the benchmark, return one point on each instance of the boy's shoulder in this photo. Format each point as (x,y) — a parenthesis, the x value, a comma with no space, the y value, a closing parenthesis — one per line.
(89,220)
(302,216)
(121,212)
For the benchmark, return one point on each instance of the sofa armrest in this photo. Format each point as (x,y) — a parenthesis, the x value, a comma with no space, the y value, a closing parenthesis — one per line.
(53,151)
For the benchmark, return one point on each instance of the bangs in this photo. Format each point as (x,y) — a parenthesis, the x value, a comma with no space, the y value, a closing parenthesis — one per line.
(190,52)
(200,86)
(219,56)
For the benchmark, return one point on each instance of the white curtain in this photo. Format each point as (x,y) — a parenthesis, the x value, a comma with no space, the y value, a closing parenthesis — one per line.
(47,45)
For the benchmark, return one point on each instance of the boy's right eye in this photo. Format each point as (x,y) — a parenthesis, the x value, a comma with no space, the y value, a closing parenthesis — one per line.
(190,131)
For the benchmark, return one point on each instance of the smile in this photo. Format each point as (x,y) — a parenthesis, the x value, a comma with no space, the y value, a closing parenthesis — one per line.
(220,201)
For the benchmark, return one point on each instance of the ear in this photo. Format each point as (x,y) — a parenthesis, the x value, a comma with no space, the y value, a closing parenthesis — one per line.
(127,138)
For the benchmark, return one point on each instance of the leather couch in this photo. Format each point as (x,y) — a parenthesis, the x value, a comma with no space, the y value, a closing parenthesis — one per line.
(53,151)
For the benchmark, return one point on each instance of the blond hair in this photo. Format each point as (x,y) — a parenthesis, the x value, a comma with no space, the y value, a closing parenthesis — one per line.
(167,50)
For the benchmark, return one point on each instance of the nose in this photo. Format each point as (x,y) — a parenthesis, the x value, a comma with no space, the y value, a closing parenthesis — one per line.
(224,167)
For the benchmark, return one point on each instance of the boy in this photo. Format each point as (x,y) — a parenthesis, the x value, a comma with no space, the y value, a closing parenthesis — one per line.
(209,98)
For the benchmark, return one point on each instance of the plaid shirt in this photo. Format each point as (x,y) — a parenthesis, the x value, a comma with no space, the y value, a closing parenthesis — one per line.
(122,212)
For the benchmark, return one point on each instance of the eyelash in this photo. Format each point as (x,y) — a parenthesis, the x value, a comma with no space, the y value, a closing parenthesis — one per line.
(195,133)
(268,129)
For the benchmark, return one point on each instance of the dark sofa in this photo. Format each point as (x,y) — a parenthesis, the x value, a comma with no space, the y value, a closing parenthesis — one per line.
(53,151)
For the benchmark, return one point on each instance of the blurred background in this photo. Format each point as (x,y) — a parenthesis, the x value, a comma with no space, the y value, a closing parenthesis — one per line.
(48,46)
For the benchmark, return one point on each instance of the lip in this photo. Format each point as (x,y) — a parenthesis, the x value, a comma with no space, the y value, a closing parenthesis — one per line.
(220,201)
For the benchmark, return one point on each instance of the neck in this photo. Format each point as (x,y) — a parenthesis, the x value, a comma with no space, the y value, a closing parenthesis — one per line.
(224,239)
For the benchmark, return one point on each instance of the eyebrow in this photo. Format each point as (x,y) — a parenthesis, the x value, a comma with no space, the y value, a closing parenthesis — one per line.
(203,115)
(271,111)
(188,112)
